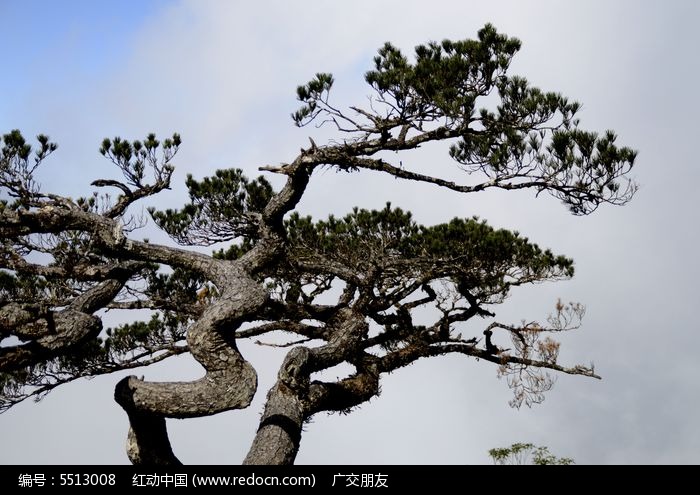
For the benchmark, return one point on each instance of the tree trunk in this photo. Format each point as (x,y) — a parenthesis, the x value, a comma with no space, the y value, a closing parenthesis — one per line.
(279,433)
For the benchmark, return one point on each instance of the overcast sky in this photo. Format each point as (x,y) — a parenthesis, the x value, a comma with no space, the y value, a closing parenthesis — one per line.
(224,74)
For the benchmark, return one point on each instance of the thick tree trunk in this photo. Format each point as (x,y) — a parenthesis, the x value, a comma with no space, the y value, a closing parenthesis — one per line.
(293,399)
(230,381)
(147,442)
(279,433)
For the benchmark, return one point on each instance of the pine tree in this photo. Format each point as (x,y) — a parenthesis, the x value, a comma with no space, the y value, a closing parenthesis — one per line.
(65,261)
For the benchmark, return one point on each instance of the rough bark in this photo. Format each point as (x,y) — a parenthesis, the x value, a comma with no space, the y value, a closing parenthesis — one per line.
(279,434)
(59,331)
(292,401)
(147,441)
(230,381)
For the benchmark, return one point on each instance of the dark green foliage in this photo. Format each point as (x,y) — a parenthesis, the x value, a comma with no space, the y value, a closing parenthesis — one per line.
(179,294)
(468,251)
(515,134)
(71,248)
(141,336)
(309,94)
(180,286)
(16,168)
(15,148)
(21,287)
(527,453)
(222,208)
(359,237)
(446,78)
(234,251)
(40,291)
(133,158)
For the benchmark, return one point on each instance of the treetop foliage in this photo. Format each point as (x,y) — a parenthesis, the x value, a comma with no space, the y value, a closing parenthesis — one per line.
(529,139)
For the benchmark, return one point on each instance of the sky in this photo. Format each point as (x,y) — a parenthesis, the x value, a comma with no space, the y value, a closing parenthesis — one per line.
(223,75)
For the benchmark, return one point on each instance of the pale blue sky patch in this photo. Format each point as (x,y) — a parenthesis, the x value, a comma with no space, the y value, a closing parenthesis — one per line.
(48,43)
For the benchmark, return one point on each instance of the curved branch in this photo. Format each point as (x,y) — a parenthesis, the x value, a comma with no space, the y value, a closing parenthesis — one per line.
(53,219)
(344,394)
(506,359)
(308,331)
(229,383)
(62,330)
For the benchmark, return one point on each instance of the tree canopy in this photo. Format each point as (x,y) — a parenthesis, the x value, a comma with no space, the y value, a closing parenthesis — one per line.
(527,453)
(345,290)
